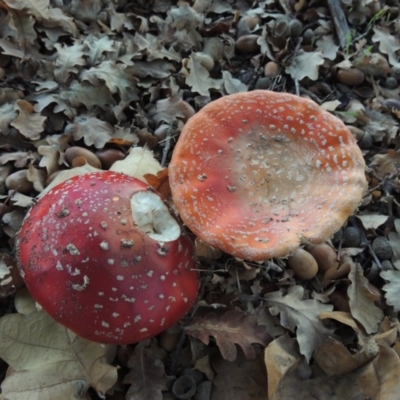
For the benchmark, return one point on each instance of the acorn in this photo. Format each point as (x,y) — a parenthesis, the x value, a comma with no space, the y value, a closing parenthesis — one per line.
(271,69)
(247,44)
(109,156)
(324,255)
(75,151)
(350,77)
(303,264)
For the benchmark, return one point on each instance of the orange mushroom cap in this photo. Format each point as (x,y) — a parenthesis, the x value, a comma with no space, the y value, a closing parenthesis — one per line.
(257,174)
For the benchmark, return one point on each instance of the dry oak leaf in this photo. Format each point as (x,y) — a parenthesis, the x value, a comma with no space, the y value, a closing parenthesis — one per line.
(305,64)
(199,78)
(235,327)
(20,158)
(167,110)
(8,114)
(361,301)
(388,44)
(93,130)
(147,376)
(392,288)
(29,123)
(96,46)
(38,8)
(88,95)
(68,57)
(116,78)
(303,314)
(386,163)
(48,361)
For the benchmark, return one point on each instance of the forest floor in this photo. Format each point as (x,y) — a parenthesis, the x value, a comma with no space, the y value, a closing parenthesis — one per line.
(84,81)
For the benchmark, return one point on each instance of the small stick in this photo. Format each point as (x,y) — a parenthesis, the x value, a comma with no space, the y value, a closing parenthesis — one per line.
(167,146)
(340,22)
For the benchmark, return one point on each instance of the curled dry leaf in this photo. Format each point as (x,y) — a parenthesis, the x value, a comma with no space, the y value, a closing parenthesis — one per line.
(361,302)
(335,359)
(48,361)
(372,221)
(235,327)
(343,375)
(159,182)
(377,381)
(280,355)
(19,158)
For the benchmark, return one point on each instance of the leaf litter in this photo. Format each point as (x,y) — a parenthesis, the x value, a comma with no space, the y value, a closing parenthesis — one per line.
(115,77)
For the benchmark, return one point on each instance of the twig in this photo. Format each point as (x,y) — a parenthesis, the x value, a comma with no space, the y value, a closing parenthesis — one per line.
(382,182)
(8,198)
(340,22)
(167,146)
(295,51)
(256,75)
(374,256)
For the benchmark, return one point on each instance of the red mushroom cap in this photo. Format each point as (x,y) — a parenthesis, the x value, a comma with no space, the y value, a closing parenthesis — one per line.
(102,254)
(255,174)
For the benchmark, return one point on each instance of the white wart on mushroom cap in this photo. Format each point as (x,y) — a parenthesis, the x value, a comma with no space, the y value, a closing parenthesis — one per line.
(104,256)
(256,174)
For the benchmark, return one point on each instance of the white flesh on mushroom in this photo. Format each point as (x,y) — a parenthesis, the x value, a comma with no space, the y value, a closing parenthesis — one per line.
(152,216)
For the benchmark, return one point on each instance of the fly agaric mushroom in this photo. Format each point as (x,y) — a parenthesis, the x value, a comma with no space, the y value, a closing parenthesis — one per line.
(102,254)
(256,174)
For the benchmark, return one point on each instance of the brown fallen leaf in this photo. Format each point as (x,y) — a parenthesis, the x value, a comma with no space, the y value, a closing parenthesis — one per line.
(361,301)
(380,379)
(386,163)
(392,288)
(377,380)
(241,379)
(29,123)
(303,315)
(147,376)
(296,384)
(335,359)
(159,182)
(48,361)
(235,327)
(280,355)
